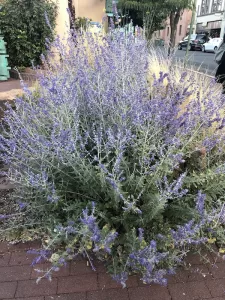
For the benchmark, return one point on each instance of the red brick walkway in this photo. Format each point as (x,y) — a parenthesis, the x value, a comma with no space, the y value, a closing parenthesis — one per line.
(9,85)
(78,282)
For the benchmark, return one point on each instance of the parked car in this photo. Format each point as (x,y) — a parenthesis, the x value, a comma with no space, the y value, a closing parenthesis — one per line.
(212,45)
(196,42)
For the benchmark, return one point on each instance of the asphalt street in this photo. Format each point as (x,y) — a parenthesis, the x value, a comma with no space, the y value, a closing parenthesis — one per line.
(203,62)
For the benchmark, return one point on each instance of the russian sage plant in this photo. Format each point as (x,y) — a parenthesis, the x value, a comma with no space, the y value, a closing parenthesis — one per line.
(112,160)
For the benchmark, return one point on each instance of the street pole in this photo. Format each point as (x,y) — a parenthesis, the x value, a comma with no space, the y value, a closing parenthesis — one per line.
(191,29)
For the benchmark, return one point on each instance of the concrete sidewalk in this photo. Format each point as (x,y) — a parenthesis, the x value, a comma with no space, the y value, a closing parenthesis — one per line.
(78,282)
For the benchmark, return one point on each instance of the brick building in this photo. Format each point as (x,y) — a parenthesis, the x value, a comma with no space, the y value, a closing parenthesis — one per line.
(182,28)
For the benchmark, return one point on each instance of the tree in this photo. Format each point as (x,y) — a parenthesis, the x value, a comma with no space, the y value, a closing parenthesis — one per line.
(26,28)
(134,15)
(72,13)
(175,10)
(153,13)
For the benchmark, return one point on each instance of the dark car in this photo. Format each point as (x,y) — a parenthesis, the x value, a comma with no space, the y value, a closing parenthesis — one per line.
(196,42)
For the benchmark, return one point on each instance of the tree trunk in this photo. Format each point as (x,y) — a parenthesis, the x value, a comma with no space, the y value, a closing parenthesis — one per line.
(72,13)
(174,19)
(148,24)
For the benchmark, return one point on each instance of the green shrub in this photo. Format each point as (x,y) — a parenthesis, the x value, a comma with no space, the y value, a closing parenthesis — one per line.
(25,29)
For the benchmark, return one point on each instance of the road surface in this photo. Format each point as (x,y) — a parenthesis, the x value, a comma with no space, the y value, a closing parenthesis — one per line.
(204,62)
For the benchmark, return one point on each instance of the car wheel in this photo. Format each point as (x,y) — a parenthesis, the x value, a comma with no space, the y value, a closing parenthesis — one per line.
(215,49)
(179,47)
(203,48)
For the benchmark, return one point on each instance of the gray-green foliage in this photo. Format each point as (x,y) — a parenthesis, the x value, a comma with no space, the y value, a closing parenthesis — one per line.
(107,163)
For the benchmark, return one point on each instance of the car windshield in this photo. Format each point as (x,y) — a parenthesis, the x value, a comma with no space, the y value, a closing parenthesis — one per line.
(193,37)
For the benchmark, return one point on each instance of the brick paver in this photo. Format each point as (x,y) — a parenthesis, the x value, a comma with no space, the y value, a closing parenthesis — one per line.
(76,296)
(4,259)
(8,289)
(21,258)
(29,288)
(154,292)
(77,281)
(189,290)
(9,85)
(81,283)
(108,294)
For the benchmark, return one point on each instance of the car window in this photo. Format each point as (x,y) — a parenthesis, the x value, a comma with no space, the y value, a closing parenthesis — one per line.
(193,37)
(201,36)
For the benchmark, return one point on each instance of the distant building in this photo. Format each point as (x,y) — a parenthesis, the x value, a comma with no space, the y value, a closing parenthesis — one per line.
(211,17)
(182,28)
(91,9)
(96,10)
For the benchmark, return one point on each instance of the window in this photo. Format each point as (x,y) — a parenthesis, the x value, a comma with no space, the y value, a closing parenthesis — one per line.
(168,30)
(180,30)
(216,5)
(205,7)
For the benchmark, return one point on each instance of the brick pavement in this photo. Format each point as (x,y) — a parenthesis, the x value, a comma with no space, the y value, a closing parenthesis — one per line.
(10,84)
(9,90)
(78,282)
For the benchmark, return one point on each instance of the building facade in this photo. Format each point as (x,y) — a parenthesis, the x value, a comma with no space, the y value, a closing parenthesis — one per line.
(182,28)
(91,9)
(62,22)
(211,17)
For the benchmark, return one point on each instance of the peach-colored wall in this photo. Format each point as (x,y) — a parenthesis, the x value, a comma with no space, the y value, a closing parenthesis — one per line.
(91,9)
(62,22)
(184,21)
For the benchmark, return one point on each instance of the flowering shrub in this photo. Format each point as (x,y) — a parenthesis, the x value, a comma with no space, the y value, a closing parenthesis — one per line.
(110,163)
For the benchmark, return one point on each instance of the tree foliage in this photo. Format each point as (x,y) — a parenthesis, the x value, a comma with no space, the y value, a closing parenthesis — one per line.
(152,13)
(155,12)
(26,29)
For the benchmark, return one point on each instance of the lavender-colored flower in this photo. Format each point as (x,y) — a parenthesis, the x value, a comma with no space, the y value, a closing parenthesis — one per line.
(121,278)
(140,234)
(90,222)
(200,202)
(110,238)
(43,255)
(103,125)
(22,205)
(3,217)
